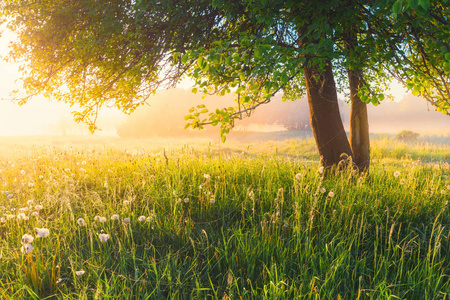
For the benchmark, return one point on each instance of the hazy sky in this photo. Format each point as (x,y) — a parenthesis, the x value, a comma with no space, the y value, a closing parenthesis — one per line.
(38,114)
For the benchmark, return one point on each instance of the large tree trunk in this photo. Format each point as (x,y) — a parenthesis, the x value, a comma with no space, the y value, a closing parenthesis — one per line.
(326,121)
(359,125)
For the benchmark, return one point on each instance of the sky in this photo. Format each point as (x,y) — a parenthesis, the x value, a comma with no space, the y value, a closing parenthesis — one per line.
(40,115)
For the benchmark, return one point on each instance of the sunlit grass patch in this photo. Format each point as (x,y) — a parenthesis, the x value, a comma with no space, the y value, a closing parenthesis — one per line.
(184,223)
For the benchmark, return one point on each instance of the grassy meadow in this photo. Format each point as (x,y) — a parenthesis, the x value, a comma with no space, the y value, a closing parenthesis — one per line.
(125,220)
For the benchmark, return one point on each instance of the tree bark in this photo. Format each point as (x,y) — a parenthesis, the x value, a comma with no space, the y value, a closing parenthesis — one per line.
(359,125)
(326,122)
(359,122)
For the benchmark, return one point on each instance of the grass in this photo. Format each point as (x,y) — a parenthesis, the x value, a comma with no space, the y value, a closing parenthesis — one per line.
(225,223)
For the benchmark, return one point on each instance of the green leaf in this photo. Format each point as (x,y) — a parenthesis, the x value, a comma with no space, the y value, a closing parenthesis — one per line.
(425,4)
(184,58)
(194,90)
(397,7)
(447,56)
(413,3)
(200,62)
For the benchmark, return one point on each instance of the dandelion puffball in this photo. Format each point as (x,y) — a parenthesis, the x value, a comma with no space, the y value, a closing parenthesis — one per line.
(103,237)
(81,222)
(126,220)
(115,217)
(396,174)
(298,176)
(80,272)
(27,248)
(142,219)
(42,232)
(331,194)
(27,239)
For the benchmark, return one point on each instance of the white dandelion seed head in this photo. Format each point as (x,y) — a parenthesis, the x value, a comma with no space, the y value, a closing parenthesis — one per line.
(22,216)
(27,239)
(41,176)
(26,248)
(29,202)
(207,176)
(298,176)
(186,200)
(80,272)
(126,202)
(321,169)
(35,213)
(331,194)
(115,217)
(103,237)
(396,174)
(82,170)
(42,232)
(142,218)
(38,207)
(126,221)
(22,172)
(83,162)
(402,181)
(212,199)
(81,222)
(97,218)
(323,190)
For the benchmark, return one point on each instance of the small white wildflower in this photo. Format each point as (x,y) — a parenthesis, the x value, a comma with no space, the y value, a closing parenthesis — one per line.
(396,174)
(38,207)
(207,176)
(26,248)
(321,169)
(42,232)
(80,272)
(212,199)
(2,220)
(83,162)
(82,170)
(298,176)
(29,202)
(126,221)
(22,216)
(97,218)
(115,217)
(35,213)
(56,158)
(126,202)
(142,218)
(30,184)
(22,172)
(102,219)
(323,190)
(58,280)
(23,209)
(103,237)
(27,239)
(81,222)
(186,200)
(402,181)
(331,194)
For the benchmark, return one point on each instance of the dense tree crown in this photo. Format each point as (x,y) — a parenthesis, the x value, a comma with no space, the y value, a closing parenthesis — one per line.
(119,52)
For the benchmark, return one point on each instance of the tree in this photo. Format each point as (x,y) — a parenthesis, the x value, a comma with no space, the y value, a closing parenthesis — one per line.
(119,52)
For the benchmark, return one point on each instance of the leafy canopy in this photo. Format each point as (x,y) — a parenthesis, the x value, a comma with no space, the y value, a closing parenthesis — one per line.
(117,53)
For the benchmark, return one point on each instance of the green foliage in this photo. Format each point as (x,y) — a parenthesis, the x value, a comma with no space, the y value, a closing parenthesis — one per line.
(92,54)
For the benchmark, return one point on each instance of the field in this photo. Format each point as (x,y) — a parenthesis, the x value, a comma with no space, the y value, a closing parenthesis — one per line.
(255,220)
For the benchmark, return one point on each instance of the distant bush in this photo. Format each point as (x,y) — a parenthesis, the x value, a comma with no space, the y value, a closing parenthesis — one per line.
(407,135)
